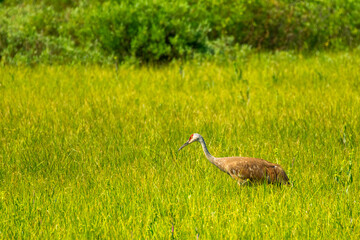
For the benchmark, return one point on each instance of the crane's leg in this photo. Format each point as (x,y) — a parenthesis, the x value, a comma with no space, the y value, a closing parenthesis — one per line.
(243,182)
(240,180)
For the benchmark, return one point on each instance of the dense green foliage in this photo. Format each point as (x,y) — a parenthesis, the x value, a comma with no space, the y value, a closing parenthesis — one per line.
(92,152)
(106,31)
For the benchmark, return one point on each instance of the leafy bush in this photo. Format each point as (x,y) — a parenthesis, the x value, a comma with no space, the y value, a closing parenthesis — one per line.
(32,34)
(153,31)
(150,32)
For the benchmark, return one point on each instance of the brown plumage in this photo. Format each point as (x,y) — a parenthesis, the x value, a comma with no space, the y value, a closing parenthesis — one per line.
(244,169)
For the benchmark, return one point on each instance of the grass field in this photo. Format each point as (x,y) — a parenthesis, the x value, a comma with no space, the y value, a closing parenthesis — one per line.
(91,151)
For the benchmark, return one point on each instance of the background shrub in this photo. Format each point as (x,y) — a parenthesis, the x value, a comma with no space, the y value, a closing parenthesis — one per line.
(157,31)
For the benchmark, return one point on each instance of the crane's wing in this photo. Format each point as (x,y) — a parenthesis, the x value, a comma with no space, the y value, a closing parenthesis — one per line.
(255,170)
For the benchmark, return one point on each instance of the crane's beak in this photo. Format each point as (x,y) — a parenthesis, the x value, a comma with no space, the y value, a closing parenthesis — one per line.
(185,144)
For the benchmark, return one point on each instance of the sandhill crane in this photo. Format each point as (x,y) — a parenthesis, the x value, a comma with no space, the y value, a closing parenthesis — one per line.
(243,169)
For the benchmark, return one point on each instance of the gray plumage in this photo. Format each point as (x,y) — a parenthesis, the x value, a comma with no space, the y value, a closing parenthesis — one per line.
(244,169)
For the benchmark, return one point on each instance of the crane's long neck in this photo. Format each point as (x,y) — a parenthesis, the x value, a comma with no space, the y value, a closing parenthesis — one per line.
(210,157)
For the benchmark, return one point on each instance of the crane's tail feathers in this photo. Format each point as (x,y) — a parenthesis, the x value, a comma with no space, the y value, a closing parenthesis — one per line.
(277,175)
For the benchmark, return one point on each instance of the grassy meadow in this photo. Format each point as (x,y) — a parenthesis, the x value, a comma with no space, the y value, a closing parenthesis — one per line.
(91,151)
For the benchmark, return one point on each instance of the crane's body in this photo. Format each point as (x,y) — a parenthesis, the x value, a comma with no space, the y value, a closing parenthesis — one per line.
(244,169)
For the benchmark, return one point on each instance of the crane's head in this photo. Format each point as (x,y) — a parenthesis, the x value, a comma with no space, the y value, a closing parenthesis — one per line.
(193,138)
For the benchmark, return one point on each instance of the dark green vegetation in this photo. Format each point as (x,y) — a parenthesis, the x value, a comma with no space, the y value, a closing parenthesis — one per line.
(91,152)
(64,31)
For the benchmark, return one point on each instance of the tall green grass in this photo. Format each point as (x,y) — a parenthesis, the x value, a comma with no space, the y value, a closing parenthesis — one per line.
(90,151)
